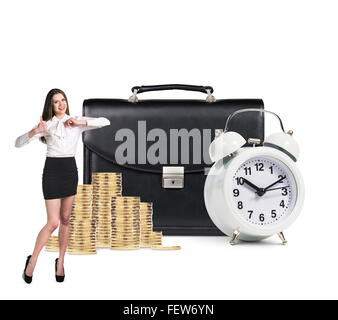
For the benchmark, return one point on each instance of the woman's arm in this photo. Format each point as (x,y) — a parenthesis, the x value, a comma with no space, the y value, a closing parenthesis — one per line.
(37,132)
(88,123)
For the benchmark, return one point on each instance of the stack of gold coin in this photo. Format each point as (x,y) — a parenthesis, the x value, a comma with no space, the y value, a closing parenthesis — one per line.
(146,214)
(82,226)
(52,244)
(156,238)
(125,223)
(105,186)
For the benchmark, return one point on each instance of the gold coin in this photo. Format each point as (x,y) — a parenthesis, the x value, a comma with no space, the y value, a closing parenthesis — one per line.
(125,216)
(81,222)
(125,200)
(81,205)
(134,208)
(101,228)
(78,219)
(84,192)
(145,232)
(125,236)
(166,247)
(131,209)
(83,209)
(76,242)
(82,202)
(102,225)
(103,236)
(101,204)
(82,199)
(128,236)
(105,173)
(81,230)
(99,180)
(107,190)
(102,242)
(105,194)
(125,248)
(102,211)
(125,222)
(110,182)
(104,187)
(129,204)
(81,217)
(118,243)
(125,229)
(102,233)
(125,226)
(106,177)
(79,243)
(81,252)
(121,242)
(102,181)
(84,248)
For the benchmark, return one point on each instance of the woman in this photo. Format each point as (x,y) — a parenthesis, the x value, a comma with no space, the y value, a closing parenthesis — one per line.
(60,178)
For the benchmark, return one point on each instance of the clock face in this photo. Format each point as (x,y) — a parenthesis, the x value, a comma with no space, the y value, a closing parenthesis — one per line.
(264,191)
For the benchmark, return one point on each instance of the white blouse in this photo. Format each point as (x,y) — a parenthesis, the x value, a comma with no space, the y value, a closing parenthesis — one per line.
(62,141)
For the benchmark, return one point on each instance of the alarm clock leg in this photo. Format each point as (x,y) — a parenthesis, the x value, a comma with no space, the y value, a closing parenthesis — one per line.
(234,237)
(281,236)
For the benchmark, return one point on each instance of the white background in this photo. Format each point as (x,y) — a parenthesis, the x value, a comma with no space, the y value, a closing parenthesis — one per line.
(282,51)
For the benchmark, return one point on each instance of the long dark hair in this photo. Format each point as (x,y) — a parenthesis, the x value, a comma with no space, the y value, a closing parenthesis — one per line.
(48,112)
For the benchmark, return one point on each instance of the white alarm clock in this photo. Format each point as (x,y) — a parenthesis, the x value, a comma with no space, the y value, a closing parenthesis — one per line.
(253,192)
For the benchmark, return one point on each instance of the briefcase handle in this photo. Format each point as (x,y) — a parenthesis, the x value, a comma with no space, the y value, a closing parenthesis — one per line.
(204,89)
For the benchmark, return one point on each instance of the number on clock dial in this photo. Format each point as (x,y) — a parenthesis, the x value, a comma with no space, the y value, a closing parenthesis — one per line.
(275,203)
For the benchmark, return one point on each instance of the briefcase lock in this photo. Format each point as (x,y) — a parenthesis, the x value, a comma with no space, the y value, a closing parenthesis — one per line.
(173,177)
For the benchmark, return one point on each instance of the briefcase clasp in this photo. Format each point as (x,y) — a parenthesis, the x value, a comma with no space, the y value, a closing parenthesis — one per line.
(173,177)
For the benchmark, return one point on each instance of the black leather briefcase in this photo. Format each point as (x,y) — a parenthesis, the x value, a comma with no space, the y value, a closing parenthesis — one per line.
(161,148)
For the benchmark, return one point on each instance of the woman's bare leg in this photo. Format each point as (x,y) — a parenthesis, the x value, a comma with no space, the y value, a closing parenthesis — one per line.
(66,210)
(53,217)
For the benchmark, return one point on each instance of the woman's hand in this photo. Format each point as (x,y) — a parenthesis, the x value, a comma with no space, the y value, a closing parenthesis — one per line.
(71,122)
(42,126)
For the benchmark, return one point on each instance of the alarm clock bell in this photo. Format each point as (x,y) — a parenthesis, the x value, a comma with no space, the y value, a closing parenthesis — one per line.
(225,144)
(283,142)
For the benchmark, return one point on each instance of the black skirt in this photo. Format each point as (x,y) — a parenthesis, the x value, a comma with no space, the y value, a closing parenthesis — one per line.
(59,178)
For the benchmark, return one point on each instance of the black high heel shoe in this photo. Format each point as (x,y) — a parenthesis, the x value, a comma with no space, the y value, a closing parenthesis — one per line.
(59,278)
(27,279)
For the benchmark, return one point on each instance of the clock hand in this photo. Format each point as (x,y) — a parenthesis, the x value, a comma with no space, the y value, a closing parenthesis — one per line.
(272,184)
(259,191)
(277,188)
